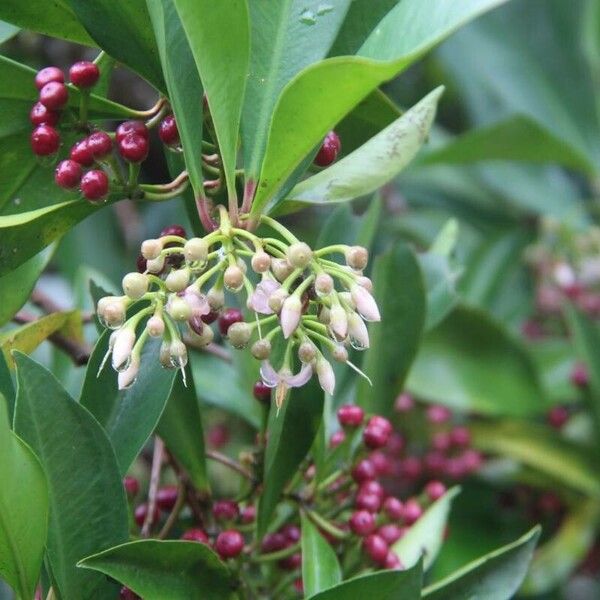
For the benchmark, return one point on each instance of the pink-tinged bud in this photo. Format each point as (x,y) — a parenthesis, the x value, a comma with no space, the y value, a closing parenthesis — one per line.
(124,341)
(135,285)
(155,326)
(127,377)
(365,282)
(177,281)
(156,265)
(281,268)
(151,249)
(340,354)
(299,255)
(291,311)
(326,375)
(365,303)
(357,257)
(357,330)
(111,311)
(195,249)
(276,300)
(261,262)
(307,352)
(338,321)
(323,284)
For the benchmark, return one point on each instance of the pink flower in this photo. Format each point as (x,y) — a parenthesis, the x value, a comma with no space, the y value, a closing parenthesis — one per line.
(197,301)
(291,311)
(365,303)
(283,379)
(259,301)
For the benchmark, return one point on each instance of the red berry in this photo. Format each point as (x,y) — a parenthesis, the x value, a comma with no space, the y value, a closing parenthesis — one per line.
(84,74)
(166,497)
(195,535)
(228,317)
(350,415)
(393,508)
(557,416)
(412,511)
(225,510)
(127,594)
(438,414)
(131,485)
(99,144)
(229,543)
(390,532)
(364,471)
(47,75)
(44,140)
(299,585)
(362,522)
(141,263)
(168,132)
(368,502)
(133,148)
(378,421)
(376,547)
(81,153)
(375,436)
(218,435)
(291,532)
(396,444)
(291,563)
(248,514)
(337,438)
(460,436)
(435,462)
(579,376)
(94,185)
(329,150)
(455,468)
(404,403)
(177,230)
(210,317)
(381,462)
(372,487)
(273,542)
(54,95)
(441,441)
(472,460)
(40,115)
(140,514)
(435,490)
(261,392)
(412,467)
(392,561)
(127,127)
(68,174)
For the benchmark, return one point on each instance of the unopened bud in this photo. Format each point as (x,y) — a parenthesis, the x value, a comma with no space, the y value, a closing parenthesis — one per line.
(281,268)
(365,303)
(325,375)
(324,315)
(233,278)
(261,262)
(135,285)
(357,331)
(123,345)
(155,326)
(195,249)
(357,257)
(239,334)
(215,298)
(127,377)
(179,309)
(178,354)
(177,281)
(323,284)
(299,255)
(340,353)
(347,298)
(338,321)
(151,249)
(276,300)
(204,335)
(261,349)
(164,355)
(365,282)
(111,311)
(156,265)
(307,352)
(291,311)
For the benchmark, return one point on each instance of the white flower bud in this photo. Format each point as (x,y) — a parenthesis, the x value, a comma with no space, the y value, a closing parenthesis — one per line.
(365,303)
(357,331)
(338,321)
(215,298)
(165,355)
(261,262)
(111,311)
(326,375)
(127,377)
(299,255)
(307,352)
(261,349)
(121,354)
(276,300)
(155,326)
(156,265)
(281,268)
(179,309)
(177,281)
(324,315)
(233,278)
(135,285)
(239,334)
(151,249)
(323,284)
(365,282)
(195,249)
(291,311)
(357,257)
(178,354)
(340,354)
(205,337)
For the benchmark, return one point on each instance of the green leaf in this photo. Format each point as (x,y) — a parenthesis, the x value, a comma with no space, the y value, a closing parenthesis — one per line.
(453,367)
(556,560)
(375,163)
(17,285)
(23,511)
(7,389)
(7,31)
(171,569)
(220,43)
(286,36)
(183,83)
(384,585)
(320,567)
(495,576)
(516,138)
(539,447)
(123,30)
(424,539)
(88,511)
(322,94)
(291,434)
(181,429)
(399,289)
(50,18)
(128,416)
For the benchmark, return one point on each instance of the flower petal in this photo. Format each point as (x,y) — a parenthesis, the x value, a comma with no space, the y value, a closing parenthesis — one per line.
(300,378)
(268,374)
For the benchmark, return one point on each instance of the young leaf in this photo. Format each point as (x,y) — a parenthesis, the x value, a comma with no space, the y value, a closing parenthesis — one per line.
(424,539)
(320,567)
(7,389)
(171,569)
(495,576)
(23,511)
(128,416)
(88,511)
(220,43)
(400,293)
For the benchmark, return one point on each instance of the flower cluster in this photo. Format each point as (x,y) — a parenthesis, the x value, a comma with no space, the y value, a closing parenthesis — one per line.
(300,300)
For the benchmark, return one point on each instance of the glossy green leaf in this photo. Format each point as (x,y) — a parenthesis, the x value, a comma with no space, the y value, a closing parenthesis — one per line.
(286,36)
(424,539)
(7,31)
(291,434)
(320,567)
(384,585)
(88,511)
(220,43)
(181,429)
(123,30)
(128,416)
(539,447)
(495,576)
(400,292)
(17,285)
(23,511)
(50,18)
(555,561)
(172,569)
(183,83)
(375,163)
(454,367)
(7,388)
(322,94)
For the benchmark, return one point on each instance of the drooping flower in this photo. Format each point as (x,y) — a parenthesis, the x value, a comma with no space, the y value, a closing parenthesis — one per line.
(283,379)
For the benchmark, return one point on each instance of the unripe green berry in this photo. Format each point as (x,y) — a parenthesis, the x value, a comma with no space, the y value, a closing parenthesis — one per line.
(281,268)
(155,326)
(179,309)
(135,285)
(261,349)
(195,249)
(239,334)
(357,257)
(261,262)
(323,284)
(276,300)
(299,255)
(233,278)
(307,352)
(177,281)
(215,298)
(151,249)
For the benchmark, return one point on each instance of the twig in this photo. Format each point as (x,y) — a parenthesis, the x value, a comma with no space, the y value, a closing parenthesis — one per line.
(157,459)
(229,462)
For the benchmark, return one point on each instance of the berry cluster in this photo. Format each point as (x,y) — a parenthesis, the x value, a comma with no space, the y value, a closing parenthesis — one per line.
(298,298)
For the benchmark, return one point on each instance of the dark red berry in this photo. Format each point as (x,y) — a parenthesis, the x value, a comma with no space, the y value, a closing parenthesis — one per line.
(273,542)
(364,471)
(195,535)
(218,435)
(291,532)
(228,317)
(412,511)
(372,487)
(404,403)
(375,436)
(140,514)
(382,422)
(438,414)
(131,485)
(127,127)
(472,460)
(392,561)
(390,532)
(133,148)
(368,502)
(455,468)
(94,185)
(396,444)
(81,153)
(460,436)
(435,490)
(441,441)
(393,508)
(362,522)
(557,416)
(141,263)
(210,317)
(248,514)
(435,462)
(177,230)
(337,438)
(549,503)
(376,547)
(229,543)
(290,563)
(127,594)
(225,510)
(44,140)
(579,376)
(84,74)
(350,415)
(262,392)
(47,75)
(54,95)
(412,467)
(168,132)
(329,150)
(68,174)
(99,144)
(40,115)
(166,497)
(299,585)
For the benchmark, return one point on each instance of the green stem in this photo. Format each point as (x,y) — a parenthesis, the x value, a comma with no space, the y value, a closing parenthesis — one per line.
(278,555)
(283,231)
(325,525)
